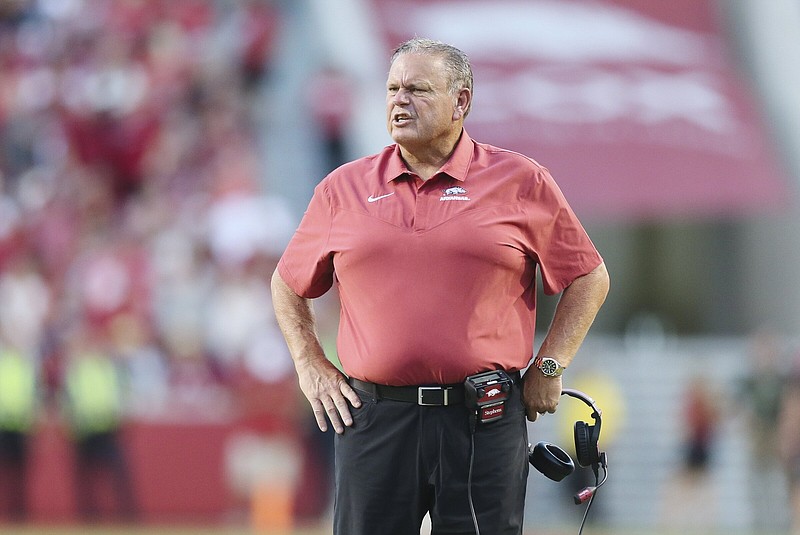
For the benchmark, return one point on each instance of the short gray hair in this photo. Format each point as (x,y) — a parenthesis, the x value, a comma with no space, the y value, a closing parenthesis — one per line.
(459,70)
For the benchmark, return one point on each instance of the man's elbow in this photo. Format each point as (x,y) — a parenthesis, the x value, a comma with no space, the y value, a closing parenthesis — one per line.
(279,286)
(595,284)
(602,279)
(276,278)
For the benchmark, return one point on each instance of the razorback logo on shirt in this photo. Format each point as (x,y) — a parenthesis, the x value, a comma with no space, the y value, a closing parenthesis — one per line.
(455,193)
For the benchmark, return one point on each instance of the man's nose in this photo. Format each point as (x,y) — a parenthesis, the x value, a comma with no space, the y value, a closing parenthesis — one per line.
(401,96)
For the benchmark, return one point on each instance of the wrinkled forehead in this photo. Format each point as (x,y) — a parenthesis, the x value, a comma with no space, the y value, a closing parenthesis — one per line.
(418,68)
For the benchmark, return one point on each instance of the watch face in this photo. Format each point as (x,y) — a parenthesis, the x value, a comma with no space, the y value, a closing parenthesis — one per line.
(549,367)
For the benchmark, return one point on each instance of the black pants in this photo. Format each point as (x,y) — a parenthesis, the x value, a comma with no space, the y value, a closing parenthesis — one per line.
(400,460)
(97,454)
(13,465)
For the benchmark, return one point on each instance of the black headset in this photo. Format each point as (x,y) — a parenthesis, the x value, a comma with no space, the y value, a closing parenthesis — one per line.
(556,464)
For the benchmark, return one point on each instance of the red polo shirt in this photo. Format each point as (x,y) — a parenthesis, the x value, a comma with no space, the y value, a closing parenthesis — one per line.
(437,279)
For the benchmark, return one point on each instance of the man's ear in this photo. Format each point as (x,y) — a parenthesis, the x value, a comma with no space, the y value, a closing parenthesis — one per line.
(463,102)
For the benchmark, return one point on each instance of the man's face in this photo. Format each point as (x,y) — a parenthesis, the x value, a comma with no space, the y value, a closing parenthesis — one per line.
(419,109)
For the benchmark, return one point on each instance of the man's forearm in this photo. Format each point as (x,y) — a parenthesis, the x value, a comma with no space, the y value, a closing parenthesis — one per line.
(575,314)
(320,381)
(295,316)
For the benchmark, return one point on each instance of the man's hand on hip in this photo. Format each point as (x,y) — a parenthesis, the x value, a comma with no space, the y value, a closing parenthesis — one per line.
(328,392)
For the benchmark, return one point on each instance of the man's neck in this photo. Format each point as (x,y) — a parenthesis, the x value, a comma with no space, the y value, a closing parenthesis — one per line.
(426,162)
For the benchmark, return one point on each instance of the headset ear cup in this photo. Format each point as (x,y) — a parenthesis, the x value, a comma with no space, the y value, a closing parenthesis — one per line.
(551,461)
(584,449)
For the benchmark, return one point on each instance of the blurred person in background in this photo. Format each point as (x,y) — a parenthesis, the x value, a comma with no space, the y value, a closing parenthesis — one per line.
(701,414)
(762,392)
(433,290)
(24,307)
(690,501)
(788,443)
(18,406)
(93,394)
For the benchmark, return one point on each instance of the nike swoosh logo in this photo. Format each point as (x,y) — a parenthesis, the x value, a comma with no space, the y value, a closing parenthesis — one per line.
(379,197)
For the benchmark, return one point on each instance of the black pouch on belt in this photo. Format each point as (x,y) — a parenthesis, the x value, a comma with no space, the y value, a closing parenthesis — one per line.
(486,393)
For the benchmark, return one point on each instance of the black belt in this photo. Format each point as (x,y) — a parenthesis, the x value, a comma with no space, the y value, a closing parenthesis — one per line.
(437,395)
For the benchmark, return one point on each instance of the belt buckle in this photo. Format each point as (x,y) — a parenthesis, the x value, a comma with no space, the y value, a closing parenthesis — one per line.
(421,395)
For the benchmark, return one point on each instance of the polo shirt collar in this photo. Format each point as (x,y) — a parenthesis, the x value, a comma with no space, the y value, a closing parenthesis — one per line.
(457,166)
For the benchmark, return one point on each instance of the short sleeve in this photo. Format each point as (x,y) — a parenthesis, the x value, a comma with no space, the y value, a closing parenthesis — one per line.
(307,263)
(560,244)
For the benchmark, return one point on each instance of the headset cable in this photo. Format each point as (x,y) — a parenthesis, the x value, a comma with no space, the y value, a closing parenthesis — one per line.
(598,483)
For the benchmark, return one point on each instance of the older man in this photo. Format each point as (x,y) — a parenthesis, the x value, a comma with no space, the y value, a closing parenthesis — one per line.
(434,244)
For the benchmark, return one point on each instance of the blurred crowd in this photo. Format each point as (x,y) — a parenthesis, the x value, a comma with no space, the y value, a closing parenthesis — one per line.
(134,226)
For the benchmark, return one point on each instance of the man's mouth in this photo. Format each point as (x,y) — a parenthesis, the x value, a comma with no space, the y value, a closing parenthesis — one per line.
(401,118)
